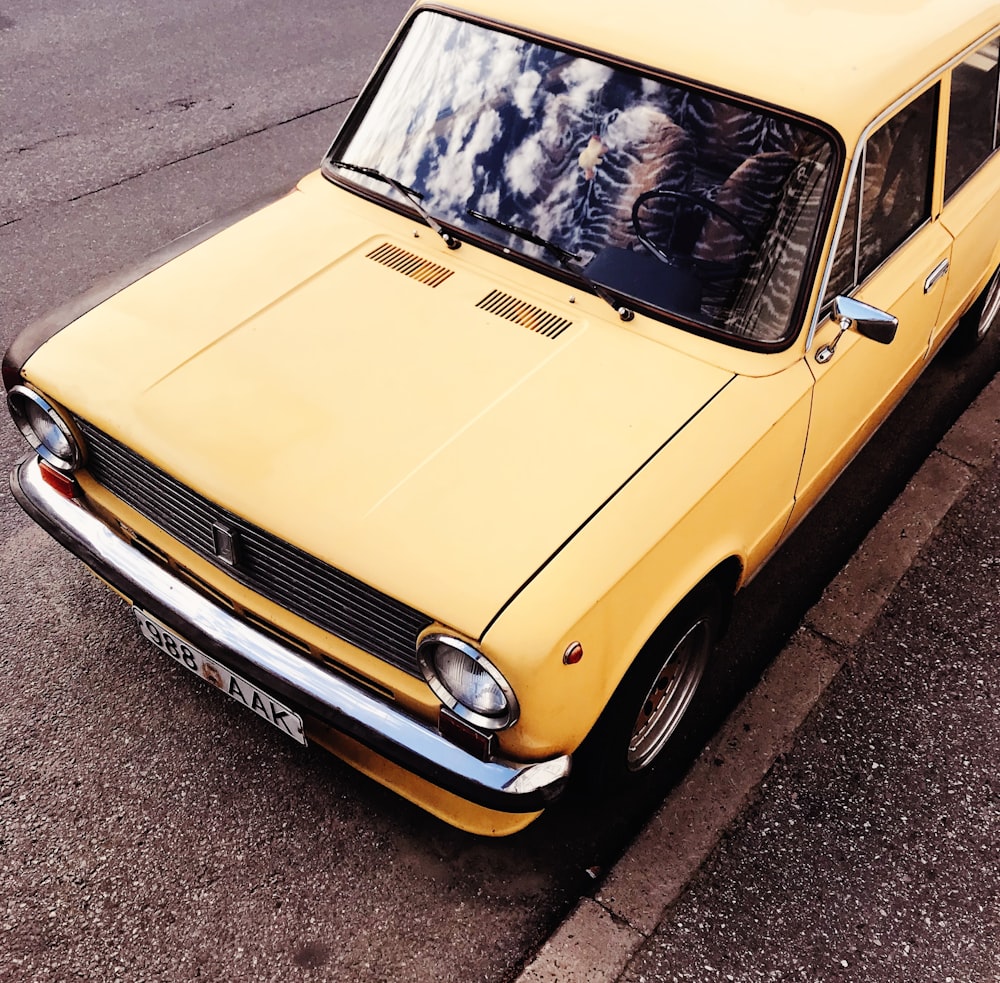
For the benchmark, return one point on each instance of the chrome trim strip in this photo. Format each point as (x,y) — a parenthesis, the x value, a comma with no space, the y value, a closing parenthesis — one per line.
(859,225)
(496,784)
(996,106)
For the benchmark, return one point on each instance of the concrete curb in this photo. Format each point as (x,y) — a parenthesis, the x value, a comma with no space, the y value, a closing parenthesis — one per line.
(595,943)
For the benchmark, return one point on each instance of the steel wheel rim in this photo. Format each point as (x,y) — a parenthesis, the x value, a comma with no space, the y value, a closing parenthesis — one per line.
(990,309)
(669,697)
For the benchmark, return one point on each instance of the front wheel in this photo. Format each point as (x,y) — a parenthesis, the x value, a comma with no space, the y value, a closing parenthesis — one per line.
(980,319)
(628,743)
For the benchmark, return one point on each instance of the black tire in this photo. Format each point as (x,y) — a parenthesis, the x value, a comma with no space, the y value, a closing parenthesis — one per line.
(629,745)
(979,320)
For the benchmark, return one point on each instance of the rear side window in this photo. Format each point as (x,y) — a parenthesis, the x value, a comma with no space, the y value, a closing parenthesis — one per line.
(972,121)
(893,197)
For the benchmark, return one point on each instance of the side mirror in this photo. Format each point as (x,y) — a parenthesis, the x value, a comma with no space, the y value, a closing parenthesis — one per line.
(869,321)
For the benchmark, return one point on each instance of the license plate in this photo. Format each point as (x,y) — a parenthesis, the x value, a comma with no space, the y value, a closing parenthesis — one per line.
(233,685)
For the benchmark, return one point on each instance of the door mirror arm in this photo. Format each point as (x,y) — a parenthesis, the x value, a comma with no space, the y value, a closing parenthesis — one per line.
(869,321)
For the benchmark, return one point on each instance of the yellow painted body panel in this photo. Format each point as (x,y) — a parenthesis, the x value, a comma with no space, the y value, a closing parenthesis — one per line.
(972,216)
(370,419)
(721,489)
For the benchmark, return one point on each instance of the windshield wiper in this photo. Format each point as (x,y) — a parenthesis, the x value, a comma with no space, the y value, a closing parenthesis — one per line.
(413,196)
(563,257)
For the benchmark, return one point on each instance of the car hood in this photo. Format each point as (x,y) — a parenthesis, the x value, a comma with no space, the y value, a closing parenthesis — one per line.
(389,406)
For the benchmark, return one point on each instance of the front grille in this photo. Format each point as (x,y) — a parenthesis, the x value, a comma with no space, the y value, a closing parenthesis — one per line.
(267,565)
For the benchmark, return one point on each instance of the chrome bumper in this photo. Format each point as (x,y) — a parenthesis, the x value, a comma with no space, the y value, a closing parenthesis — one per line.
(332,699)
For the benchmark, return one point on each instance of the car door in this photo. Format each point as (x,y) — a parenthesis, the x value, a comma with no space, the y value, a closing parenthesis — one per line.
(894,255)
(971,210)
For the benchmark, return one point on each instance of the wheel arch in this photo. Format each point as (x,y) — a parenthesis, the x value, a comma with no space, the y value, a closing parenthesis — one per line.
(597,756)
(964,335)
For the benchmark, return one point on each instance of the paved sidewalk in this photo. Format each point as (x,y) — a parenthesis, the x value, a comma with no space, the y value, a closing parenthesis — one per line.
(890,868)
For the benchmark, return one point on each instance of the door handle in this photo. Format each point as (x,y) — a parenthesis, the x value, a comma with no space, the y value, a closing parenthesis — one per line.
(936,274)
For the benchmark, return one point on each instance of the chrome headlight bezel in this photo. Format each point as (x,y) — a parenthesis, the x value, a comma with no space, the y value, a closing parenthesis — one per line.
(500,720)
(23,402)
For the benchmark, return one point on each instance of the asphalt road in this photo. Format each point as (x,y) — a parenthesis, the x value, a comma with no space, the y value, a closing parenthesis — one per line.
(148,829)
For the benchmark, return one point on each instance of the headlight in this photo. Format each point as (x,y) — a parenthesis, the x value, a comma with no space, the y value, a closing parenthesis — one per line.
(467,682)
(44,428)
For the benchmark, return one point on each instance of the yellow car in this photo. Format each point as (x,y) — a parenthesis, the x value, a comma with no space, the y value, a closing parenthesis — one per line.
(452,459)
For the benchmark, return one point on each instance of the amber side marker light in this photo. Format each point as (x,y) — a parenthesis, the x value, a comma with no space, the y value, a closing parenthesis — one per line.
(573,654)
(58,480)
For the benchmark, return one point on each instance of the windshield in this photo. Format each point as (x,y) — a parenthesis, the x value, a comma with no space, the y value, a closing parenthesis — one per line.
(678,199)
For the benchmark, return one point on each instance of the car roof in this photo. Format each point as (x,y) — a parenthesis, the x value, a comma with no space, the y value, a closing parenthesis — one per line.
(839,61)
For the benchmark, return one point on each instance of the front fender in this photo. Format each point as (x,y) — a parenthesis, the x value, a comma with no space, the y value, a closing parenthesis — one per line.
(721,491)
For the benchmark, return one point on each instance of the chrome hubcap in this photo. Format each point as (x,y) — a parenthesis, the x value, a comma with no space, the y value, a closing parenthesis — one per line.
(669,696)
(990,309)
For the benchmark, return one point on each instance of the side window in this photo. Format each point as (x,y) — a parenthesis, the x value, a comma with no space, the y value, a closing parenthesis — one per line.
(972,121)
(893,198)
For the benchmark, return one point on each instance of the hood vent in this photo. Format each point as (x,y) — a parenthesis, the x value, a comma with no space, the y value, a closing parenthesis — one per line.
(533,318)
(409,265)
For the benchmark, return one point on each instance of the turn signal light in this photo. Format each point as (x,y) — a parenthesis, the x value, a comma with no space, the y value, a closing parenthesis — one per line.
(61,482)
(466,736)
